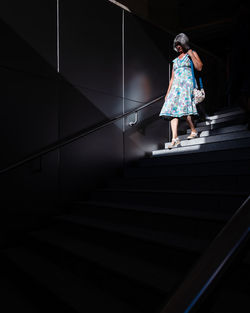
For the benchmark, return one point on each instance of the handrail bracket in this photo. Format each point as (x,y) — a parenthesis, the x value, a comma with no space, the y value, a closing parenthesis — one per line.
(135,121)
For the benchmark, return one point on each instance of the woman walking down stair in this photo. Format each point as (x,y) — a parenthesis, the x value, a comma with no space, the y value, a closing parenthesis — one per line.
(178,101)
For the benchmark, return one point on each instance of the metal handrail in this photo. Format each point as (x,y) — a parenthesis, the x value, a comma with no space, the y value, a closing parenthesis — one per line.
(80,134)
(212,262)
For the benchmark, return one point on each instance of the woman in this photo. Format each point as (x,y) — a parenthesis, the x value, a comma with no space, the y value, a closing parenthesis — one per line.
(178,101)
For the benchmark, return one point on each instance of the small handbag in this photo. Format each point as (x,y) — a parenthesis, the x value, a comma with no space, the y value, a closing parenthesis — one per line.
(198,94)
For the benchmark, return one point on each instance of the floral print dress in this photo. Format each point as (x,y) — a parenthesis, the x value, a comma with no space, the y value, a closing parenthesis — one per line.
(179,100)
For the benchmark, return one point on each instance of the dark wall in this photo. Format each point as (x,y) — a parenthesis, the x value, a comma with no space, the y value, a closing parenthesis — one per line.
(91,66)
(28,35)
(91,54)
(146,78)
(28,78)
(41,106)
(29,106)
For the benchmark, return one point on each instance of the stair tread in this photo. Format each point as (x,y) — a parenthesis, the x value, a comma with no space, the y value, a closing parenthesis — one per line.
(217,131)
(78,294)
(227,109)
(13,299)
(214,138)
(176,166)
(199,214)
(173,191)
(220,114)
(159,237)
(216,146)
(138,269)
(234,183)
(238,120)
(217,119)
(220,157)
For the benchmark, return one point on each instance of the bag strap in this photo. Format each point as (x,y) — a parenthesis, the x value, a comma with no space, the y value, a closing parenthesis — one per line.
(201,85)
(200,80)
(192,68)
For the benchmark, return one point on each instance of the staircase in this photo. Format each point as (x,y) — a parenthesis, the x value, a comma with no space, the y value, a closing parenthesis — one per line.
(129,247)
(217,133)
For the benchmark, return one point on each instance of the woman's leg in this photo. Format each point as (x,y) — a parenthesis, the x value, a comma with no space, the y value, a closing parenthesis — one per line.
(194,133)
(174,127)
(190,123)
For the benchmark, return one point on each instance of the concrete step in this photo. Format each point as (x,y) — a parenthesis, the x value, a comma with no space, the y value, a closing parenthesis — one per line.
(199,183)
(78,295)
(227,109)
(34,295)
(214,146)
(167,239)
(217,119)
(14,299)
(214,138)
(217,200)
(160,278)
(119,236)
(222,114)
(218,131)
(220,123)
(80,207)
(232,157)
(185,221)
(164,169)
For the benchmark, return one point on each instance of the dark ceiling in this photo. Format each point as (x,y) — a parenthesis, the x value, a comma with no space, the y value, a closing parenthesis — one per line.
(211,24)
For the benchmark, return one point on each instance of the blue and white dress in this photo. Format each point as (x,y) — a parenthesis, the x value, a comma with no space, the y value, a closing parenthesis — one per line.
(179,101)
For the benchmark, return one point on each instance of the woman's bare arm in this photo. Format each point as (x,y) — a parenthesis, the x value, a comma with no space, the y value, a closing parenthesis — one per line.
(170,83)
(196,59)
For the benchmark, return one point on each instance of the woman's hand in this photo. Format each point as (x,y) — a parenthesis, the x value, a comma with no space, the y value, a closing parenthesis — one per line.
(196,59)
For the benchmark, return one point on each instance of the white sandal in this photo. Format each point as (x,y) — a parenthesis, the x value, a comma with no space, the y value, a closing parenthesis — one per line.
(175,143)
(193,135)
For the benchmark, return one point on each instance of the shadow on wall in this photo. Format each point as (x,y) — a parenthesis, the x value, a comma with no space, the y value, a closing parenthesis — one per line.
(42,107)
